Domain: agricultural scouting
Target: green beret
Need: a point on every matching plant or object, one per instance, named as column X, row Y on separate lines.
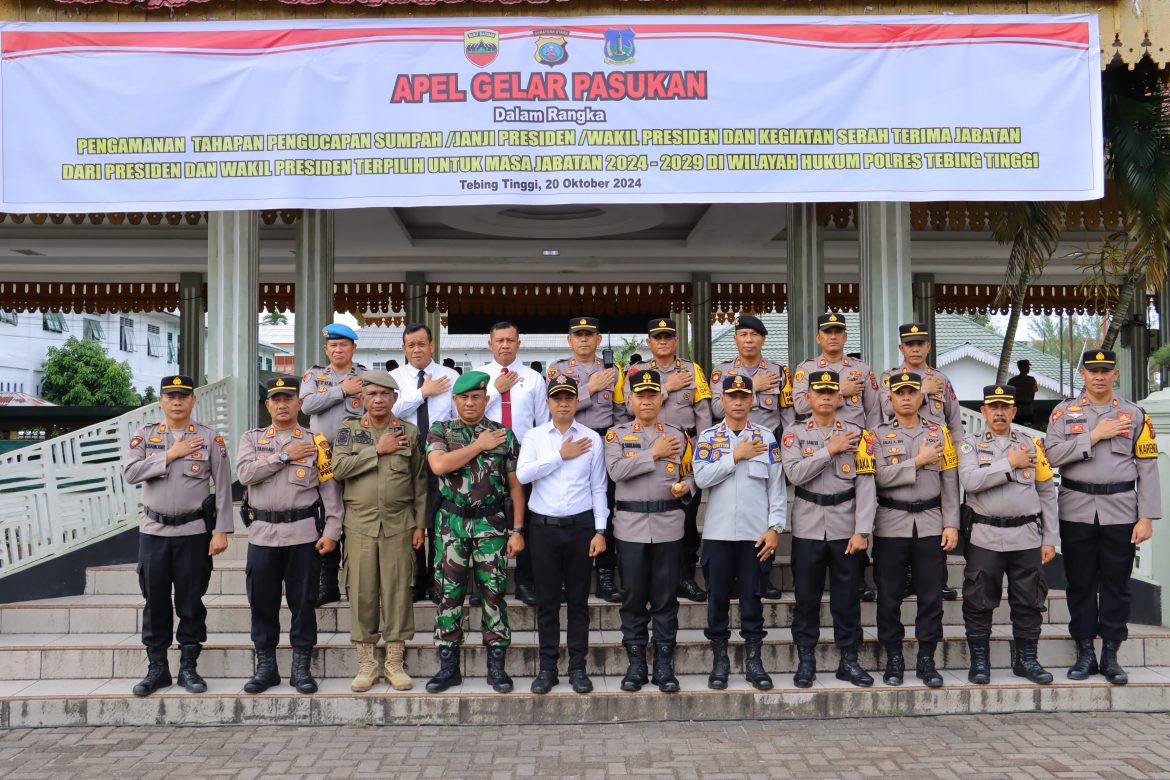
column 470, row 380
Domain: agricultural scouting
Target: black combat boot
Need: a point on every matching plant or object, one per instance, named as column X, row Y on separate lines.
column 850, row 670
column 980, row 649
column 806, row 669
column 301, row 676
column 188, row 675
column 545, row 681
column 607, row 589
column 448, row 673
column 924, row 669
column 266, row 674
column 689, row 589
column 895, row 664
column 636, row 674
column 1025, row 664
column 720, row 666
column 1109, row 666
column 158, row 672
column 1086, row 664
column 327, row 589
column 753, row 666
column 663, row 675
column 497, row 676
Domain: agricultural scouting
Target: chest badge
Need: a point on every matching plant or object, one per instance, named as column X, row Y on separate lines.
column 301, row 473
column 670, row 468
column 846, row 468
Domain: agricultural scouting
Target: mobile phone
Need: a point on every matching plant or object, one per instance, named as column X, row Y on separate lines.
column 607, row 357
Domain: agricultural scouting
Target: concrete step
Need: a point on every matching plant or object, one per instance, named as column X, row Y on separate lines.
column 107, row 701
column 106, row 655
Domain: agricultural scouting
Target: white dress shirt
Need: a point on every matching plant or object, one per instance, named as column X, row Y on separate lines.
column 441, row 406
column 528, row 396
column 562, row 488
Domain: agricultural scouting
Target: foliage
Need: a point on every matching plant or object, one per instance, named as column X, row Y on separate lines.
column 1049, row 337
column 274, row 318
column 629, row 347
column 80, row 373
column 149, row 397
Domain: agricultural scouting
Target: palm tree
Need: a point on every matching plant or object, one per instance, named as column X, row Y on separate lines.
column 274, row 318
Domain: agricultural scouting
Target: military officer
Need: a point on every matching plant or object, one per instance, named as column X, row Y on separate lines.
column 917, row 524
column 739, row 461
column 1012, row 511
column 687, row 406
column 830, row 461
column 289, row 481
column 650, row 461
column 331, row 394
column 475, row 460
column 379, row 459
column 183, row 525
column 601, row 405
column 1105, row 449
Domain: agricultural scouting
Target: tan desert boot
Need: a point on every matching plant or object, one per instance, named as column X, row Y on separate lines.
column 396, row 675
column 367, row 667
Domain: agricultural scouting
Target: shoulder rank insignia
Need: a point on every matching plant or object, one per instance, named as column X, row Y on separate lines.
column 135, row 441
column 611, row 435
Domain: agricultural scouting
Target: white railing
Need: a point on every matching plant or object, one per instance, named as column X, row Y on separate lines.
column 973, row 422
column 68, row 492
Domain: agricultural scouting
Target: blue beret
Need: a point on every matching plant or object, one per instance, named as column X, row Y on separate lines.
column 338, row 331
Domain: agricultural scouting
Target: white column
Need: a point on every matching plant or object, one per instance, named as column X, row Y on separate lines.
column 806, row 280
column 416, row 297
column 233, row 275
column 1153, row 561
column 883, row 232
column 925, row 302
column 314, row 285
column 435, row 321
column 191, row 326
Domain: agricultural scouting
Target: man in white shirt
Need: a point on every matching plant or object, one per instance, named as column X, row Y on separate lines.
column 424, row 397
column 517, row 400
column 564, row 462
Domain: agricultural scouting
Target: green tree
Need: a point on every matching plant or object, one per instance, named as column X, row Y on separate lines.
column 274, row 318
column 149, row 397
column 80, row 373
column 627, row 348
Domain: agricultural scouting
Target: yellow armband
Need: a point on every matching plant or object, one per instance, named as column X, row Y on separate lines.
column 950, row 458
column 686, row 465
column 702, row 389
column 786, row 391
column 324, row 458
column 1146, row 446
column 1043, row 467
column 864, row 458
column 619, row 385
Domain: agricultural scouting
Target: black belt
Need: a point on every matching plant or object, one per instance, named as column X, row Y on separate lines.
column 283, row 515
column 910, row 506
column 183, row 519
column 473, row 512
column 581, row 518
column 1004, row 522
column 820, row 499
column 1097, row 488
column 648, row 507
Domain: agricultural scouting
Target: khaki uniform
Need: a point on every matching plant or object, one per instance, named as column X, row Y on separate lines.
column 941, row 409
column 688, row 408
column 603, row 410
column 771, row 409
column 325, row 402
column 862, row 410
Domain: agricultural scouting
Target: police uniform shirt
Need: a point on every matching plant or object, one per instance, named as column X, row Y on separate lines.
column 808, row 464
column 439, row 407
column 993, row 488
column 638, row 476
column 277, row 486
column 384, row 495
column 181, row 486
column 745, row 499
column 1069, row 446
column 689, row 407
column 862, row 410
column 527, row 398
column 769, row 408
column 941, row 409
column 325, row 402
column 601, row 410
column 896, row 447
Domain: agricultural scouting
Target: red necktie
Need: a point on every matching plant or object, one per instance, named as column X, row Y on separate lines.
column 506, row 402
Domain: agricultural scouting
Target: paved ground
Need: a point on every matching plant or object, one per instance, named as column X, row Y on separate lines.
column 984, row 746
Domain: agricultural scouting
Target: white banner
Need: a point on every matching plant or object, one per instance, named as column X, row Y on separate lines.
column 628, row 109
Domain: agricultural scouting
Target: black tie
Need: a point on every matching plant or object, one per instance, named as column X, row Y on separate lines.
column 424, row 414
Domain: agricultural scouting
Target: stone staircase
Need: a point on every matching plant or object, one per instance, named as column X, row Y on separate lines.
column 73, row 660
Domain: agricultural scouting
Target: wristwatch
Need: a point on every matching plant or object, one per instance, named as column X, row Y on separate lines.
column 518, row 530
column 283, row 457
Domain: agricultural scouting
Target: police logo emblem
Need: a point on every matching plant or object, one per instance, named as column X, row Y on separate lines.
column 552, row 47
column 481, row 47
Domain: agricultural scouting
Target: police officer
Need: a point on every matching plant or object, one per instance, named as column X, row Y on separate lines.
column 379, row 459
column 475, row 461
column 859, row 389
column 739, row 461
column 830, row 461
column 687, row 406
column 1011, row 508
column 650, row 461
column 290, row 485
column 1105, row 449
column 771, row 400
column 331, row 394
column 601, row 405
column 917, row 525
column 182, row 526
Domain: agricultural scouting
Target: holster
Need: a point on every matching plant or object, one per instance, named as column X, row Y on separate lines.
column 210, row 513
column 247, row 516
column 966, row 520
column 320, row 517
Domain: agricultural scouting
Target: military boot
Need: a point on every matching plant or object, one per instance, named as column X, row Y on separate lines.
column 689, row 589
column 1086, row 664
column 448, row 674
column 895, row 664
column 188, row 675
column 806, row 669
column 925, row 669
column 980, row 649
column 753, row 666
column 663, row 675
column 301, row 676
column 497, row 675
column 367, row 675
column 636, row 674
column 158, row 672
column 266, row 674
column 607, row 589
column 327, row 589
column 395, row 669
column 720, row 666
column 850, row 670
column 1025, row 663
column 1109, row 666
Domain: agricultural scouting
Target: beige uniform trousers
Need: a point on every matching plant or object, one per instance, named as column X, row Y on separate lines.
column 381, row 577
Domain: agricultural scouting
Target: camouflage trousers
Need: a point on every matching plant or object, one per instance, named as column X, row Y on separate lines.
column 456, row 558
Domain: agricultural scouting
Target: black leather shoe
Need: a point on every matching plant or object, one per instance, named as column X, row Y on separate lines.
column 301, row 677
column 188, row 676
column 949, row 593
column 546, row 680
column 579, row 679
column 663, row 675
column 525, row 594
column 866, row 593
column 606, row 589
column 266, row 674
column 1086, row 663
column 850, row 670
column 497, row 676
column 895, row 664
column 636, row 673
column 690, row 590
column 924, row 669
column 1110, row 668
column 474, row 598
column 980, row 649
column 772, row 592
column 448, row 674
column 806, row 670
column 158, row 673
column 1026, row 664
column 753, row 666
column 720, row 666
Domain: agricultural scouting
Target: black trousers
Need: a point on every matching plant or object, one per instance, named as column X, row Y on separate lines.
column 692, row 539
column 424, row 557
column 924, row 558
column 649, row 576
column 811, row 560
column 733, row 567
column 180, row 563
column 1098, row 561
column 523, row 571
column 983, row 584
column 297, row 568
column 560, row 559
